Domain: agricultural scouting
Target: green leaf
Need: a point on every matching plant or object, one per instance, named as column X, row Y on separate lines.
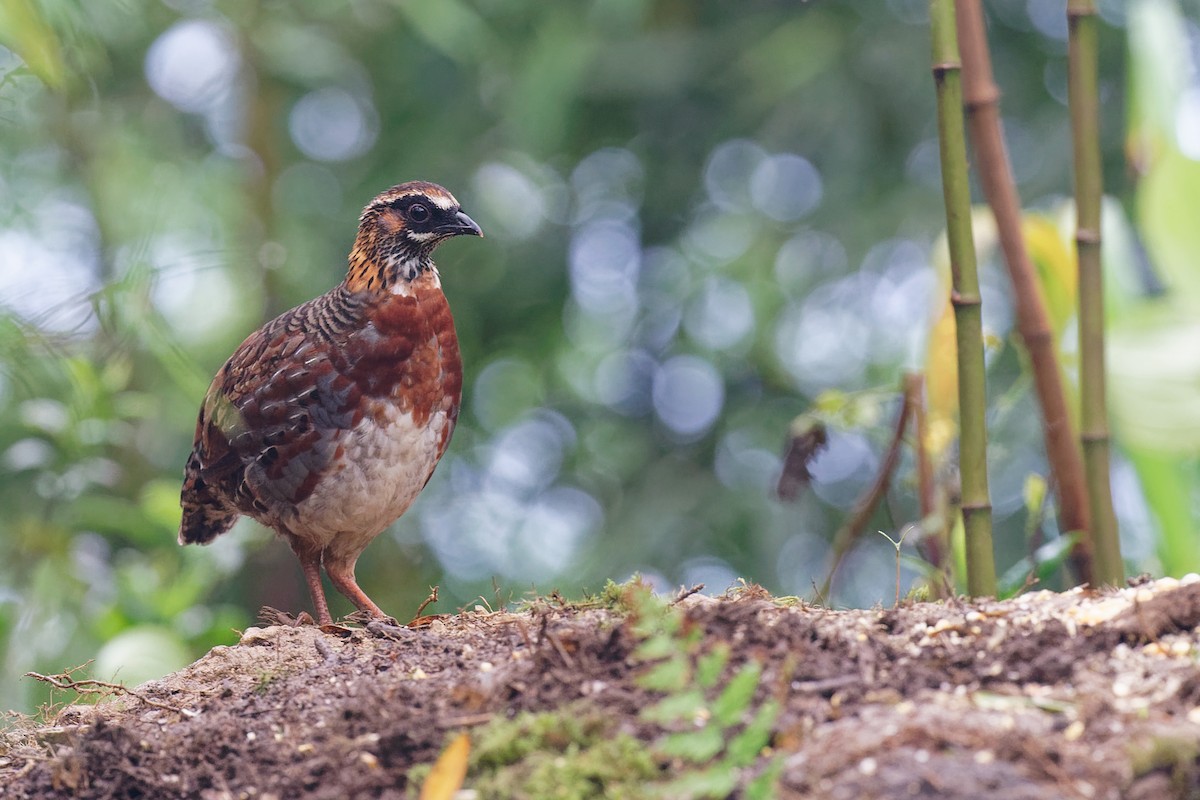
column 675, row 707
column 737, row 696
column 656, row 647
column 764, row 786
column 26, row 32
column 718, row 780
column 1046, row 560
column 669, row 676
column 1158, row 69
column 1168, row 481
column 697, row 746
column 745, row 748
column 710, row 666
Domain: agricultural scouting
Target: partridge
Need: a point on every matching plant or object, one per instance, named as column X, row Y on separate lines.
column 326, row 423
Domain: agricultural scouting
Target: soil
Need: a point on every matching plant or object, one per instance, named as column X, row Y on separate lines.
column 1075, row 695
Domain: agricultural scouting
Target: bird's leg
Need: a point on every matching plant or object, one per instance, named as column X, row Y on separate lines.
column 341, row 572
column 310, row 562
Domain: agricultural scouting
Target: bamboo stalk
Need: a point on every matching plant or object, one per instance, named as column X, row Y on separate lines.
column 1082, row 67
column 966, row 300
column 982, row 99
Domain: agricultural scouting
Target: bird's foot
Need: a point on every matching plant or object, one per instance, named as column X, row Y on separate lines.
column 273, row 616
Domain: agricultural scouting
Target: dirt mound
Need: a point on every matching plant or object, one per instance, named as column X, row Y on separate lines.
column 1082, row 694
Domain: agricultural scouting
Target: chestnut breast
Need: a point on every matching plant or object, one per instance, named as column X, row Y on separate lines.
column 405, row 366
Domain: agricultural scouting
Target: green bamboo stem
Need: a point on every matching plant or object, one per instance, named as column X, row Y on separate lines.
column 982, row 99
column 965, row 298
column 1082, row 66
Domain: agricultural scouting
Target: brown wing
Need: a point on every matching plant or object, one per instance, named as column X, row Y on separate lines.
column 272, row 419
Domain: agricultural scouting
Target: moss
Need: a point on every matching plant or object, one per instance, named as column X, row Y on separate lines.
column 571, row 754
column 263, row 681
column 1173, row 753
column 616, row 597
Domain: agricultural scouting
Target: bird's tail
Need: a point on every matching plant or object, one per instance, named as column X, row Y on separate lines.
column 205, row 517
column 202, row 524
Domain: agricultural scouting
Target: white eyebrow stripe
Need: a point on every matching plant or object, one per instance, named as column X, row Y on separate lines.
column 444, row 203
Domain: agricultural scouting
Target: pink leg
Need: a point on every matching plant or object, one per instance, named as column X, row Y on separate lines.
column 310, row 562
column 341, row 573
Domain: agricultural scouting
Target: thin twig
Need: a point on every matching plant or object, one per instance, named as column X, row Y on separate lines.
column 91, row 686
column 432, row 598
column 850, row 532
column 558, row 648
column 933, row 542
column 686, row 593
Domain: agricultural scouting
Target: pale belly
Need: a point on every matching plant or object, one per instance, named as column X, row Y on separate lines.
column 384, row 468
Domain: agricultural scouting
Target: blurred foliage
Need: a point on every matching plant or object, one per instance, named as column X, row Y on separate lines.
column 701, row 216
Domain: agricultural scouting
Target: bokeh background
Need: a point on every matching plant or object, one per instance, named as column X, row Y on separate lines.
column 702, row 219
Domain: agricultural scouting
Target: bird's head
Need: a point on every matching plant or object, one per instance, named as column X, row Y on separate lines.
column 398, row 232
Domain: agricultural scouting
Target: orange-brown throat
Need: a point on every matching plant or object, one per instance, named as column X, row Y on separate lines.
column 381, row 257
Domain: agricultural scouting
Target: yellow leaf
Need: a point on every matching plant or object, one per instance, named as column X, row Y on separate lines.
column 448, row 772
column 1054, row 262
column 941, row 384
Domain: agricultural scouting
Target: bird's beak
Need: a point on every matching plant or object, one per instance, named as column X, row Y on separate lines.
column 462, row 225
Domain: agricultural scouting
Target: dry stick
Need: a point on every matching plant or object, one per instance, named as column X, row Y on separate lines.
column 932, row 544
column 431, row 598
column 914, row 393
column 965, row 298
column 982, row 99
column 91, row 686
column 684, row 594
column 849, row 533
column 1082, row 61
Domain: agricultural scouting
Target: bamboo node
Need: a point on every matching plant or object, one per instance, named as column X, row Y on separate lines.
column 959, row 300
column 982, row 97
column 1087, row 236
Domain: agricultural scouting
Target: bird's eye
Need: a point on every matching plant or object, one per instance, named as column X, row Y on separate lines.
column 418, row 213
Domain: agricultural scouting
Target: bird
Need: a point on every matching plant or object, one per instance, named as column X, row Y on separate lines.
column 328, row 421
